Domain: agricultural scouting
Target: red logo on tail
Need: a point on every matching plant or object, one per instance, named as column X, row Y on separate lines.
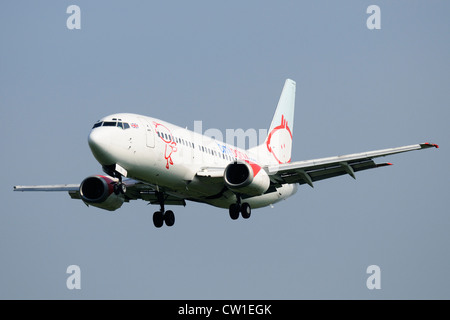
column 279, row 142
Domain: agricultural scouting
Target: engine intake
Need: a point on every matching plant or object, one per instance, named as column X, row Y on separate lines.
column 246, row 178
column 98, row 191
column 238, row 175
column 95, row 189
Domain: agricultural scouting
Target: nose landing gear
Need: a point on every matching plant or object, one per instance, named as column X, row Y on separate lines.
column 119, row 187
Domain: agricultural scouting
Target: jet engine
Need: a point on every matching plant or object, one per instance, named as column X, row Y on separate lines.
column 98, row 191
column 246, row 178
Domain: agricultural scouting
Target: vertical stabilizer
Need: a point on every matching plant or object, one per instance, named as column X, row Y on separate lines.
column 277, row 147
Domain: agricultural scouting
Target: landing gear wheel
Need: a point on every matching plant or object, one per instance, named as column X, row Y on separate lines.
column 169, row 218
column 120, row 188
column 116, row 189
column 246, row 210
column 158, row 219
column 234, row 211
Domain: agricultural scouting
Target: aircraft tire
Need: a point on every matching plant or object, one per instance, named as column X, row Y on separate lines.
column 246, row 210
column 234, row 211
column 158, row 219
column 120, row 188
column 169, row 218
column 116, row 189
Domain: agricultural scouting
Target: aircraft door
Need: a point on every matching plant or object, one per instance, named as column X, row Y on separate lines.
column 149, row 133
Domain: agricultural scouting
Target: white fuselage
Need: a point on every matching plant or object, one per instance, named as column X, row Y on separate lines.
column 169, row 157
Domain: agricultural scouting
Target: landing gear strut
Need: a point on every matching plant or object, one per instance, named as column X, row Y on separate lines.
column 161, row 216
column 236, row 208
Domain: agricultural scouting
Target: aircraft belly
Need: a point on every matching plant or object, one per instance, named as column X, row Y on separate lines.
column 255, row 202
column 180, row 179
column 202, row 188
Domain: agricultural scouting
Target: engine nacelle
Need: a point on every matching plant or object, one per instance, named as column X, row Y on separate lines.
column 246, row 178
column 98, row 191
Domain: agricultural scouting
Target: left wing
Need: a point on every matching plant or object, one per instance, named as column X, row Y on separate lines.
column 307, row 172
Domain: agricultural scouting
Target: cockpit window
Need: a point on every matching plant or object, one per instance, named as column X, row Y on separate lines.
column 119, row 124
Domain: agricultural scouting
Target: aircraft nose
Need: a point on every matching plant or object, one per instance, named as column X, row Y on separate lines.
column 98, row 141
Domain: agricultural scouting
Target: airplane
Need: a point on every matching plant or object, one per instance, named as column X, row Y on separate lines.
column 156, row 161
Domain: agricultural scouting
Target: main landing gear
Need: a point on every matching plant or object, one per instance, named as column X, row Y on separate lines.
column 236, row 208
column 161, row 216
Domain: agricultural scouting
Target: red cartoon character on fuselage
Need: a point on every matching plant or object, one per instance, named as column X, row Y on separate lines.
column 171, row 146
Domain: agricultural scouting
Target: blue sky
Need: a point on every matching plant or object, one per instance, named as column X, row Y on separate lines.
column 225, row 63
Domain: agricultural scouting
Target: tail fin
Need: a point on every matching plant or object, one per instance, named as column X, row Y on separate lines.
column 277, row 147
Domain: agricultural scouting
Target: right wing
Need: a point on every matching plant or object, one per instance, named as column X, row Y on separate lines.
column 54, row 187
column 73, row 189
column 135, row 190
column 307, row 172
